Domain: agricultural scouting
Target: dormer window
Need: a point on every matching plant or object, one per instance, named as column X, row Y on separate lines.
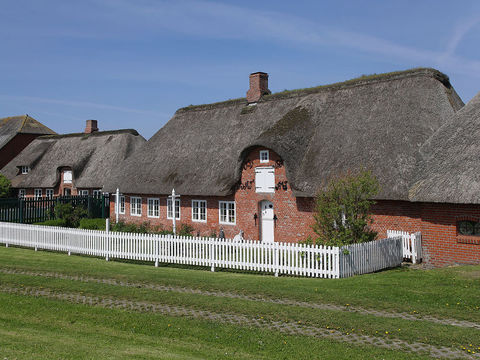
column 67, row 177
column 25, row 169
column 264, row 156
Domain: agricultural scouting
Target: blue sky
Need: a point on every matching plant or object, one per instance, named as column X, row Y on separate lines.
column 132, row 63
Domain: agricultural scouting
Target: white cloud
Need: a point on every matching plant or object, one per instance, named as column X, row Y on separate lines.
column 215, row 20
column 83, row 104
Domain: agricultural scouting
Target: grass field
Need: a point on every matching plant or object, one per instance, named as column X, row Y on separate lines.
column 53, row 306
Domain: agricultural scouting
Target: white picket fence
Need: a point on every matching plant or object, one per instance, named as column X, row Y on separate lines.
column 276, row 258
column 412, row 244
column 371, row 256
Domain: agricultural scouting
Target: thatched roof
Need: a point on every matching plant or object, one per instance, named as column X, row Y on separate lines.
column 377, row 122
column 449, row 170
column 92, row 158
column 21, row 124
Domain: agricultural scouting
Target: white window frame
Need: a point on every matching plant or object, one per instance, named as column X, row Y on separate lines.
column 264, row 152
column 264, row 189
column 49, row 193
column 226, row 205
column 22, row 193
column 151, row 207
column 170, row 209
column 25, row 170
column 196, row 208
column 134, row 202
column 67, row 181
column 97, row 193
column 121, row 208
column 83, row 192
column 37, row 193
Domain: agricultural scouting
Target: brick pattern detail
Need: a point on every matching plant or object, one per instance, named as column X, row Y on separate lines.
column 442, row 245
column 92, row 126
column 258, row 87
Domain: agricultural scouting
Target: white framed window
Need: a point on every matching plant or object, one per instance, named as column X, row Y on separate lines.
column 264, row 156
column 265, row 180
column 37, row 193
column 49, row 193
column 25, row 170
column 22, row 193
column 135, row 206
column 153, row 209
column 170, row 210
column 122, row 205
column 199, row 210
column 67, row 177
column 97, row 193
column 226, row 212
column 84, row 192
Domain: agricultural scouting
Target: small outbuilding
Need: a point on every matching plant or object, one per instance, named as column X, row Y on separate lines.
column 71, row 164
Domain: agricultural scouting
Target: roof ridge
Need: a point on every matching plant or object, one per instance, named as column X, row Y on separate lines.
column 23, row 123
column 96, row 133
column 358, row 81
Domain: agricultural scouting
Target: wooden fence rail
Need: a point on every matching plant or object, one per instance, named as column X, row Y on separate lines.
column 276, row 258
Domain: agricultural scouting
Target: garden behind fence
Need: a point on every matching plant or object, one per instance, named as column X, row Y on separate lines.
column 275, row 258
column 32, row 210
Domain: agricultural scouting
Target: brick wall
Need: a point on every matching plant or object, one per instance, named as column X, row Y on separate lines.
column 437, row 222
column 441, row 243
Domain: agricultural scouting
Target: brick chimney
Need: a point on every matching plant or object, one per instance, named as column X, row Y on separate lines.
column 91, row 127
column 258, row 86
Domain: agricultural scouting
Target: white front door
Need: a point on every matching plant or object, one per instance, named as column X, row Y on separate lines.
column 267, row 222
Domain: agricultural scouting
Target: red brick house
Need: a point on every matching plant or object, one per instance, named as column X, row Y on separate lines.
column 16, row 132
column 70, row 164
column 256, row 163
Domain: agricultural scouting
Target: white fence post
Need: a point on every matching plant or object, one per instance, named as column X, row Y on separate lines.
column 276, row 260
column 212, row 255
column 107, row 231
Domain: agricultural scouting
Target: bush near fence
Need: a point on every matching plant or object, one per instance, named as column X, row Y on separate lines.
column 277, row 258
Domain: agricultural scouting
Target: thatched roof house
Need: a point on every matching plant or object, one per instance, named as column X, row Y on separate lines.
column 378, row 122
column 16, row 132
column 449, row 171
column 92, row 157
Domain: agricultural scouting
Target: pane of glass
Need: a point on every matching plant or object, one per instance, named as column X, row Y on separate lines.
column 477, row 228
column 465, row 228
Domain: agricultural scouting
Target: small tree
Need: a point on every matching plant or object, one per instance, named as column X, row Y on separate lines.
column 342, row 213
column 5, row 187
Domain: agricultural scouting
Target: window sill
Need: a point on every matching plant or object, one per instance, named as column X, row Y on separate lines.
column 153, row 217
column 138, row 215
column 199, row 221
column 225, row 223
column 465, row 239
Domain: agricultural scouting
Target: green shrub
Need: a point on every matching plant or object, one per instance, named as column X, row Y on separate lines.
column 144, row 228
column 71, row 215
column 5, row 187
column 342, row 214
column 92, row 224
column 185, row 230
column 54, row 222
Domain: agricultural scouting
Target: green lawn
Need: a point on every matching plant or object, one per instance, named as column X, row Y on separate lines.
column 32, row 327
